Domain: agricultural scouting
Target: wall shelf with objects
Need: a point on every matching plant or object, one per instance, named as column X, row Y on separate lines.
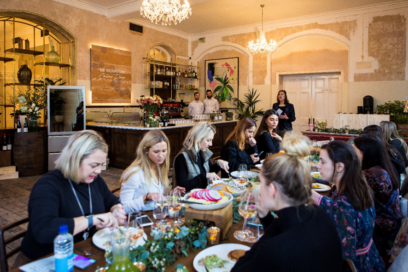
column 166, row 79
column 33, row 52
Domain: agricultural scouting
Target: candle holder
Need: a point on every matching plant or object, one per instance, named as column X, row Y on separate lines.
column 140, row 265
column 214, row 234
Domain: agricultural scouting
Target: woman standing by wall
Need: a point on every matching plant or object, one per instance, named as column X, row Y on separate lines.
column 287, row 111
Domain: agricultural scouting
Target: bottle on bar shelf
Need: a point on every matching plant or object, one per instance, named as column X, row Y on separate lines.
column 4, row 147
column 9, row 143
column 18, row 125
column 25, row 125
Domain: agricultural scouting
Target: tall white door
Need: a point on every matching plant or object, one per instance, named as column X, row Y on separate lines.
column 313, row 96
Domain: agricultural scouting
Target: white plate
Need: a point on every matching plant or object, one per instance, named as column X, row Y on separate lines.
column 209, row 207
column 239, row 188
column 259, row 166
column 222, row 252
column 262, row 161
column 249, row 174
column 322, row 188
column 103, row 235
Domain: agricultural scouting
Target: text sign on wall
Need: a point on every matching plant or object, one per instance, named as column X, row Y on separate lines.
column 111, row 78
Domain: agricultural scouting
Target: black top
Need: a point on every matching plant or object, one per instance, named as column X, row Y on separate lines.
column 267, row 144
column 199, row 181
column 398, row 146
column 283, row 109
column 300, row 239
column 230, row 152
column 286, row 124
column 52, row 204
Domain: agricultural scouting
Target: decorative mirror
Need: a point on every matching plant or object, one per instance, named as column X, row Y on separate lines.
column 66, row 109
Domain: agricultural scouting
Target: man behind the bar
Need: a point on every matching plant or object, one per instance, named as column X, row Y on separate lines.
column 196, row 107
column 210, row 104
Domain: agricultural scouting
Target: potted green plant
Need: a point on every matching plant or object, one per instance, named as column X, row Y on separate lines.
column 56, row 105
column 397, row 114
column 222, row 91
column 247, row 108
column 229, row 116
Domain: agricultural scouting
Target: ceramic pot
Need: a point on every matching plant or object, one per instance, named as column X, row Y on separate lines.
column 24, row 74
column 52, row 56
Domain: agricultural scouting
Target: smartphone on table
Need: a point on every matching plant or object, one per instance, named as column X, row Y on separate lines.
column 144, row 221
column 82, row 262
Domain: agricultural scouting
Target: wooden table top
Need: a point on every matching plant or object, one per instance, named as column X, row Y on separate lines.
column 187, row 261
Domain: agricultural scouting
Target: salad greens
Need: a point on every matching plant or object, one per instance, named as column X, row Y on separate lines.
column 212, row 261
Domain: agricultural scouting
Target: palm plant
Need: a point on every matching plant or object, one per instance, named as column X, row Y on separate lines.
column 246, row 108
column 221, row 92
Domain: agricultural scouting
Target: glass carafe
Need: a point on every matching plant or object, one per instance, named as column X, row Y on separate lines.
column 120, row 242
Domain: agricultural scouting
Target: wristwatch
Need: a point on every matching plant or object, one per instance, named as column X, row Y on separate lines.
column 90, row 221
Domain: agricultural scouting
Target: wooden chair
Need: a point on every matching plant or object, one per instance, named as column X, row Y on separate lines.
column 4, row 255
column 348, row 266
column 115, row 190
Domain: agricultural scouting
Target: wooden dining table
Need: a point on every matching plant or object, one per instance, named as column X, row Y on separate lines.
column 99, row 255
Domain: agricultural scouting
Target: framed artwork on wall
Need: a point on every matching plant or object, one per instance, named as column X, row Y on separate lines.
column 111, row 75
column 222, row 78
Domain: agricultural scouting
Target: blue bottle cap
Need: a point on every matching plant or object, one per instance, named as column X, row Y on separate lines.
column 63, row 229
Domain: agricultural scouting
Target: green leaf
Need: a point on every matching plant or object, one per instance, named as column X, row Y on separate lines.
column 230, row 88
column 217, row 88
column 196, row 243
column 145, row 255
column 170, row 245
column 184, row 252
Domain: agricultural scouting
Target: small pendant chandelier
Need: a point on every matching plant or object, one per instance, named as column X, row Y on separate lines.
column 166, row 11
column 261, row 46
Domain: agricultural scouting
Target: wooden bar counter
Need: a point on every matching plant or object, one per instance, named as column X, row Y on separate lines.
column 123, row 140
column 325, row 136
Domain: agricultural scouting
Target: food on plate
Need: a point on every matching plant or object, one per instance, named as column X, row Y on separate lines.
column 225, row 188
column 208, row 197
column 254, row 179
column 242, row 180
column 316, row 186
column 236, row 254
column 212, row 261
column 317, row 175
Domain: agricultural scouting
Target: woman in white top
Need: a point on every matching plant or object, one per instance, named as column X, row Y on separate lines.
column 146, row 178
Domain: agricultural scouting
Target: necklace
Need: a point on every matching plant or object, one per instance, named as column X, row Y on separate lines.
column 86, row 233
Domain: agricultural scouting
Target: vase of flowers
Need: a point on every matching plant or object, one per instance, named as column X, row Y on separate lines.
column 150, row 105
column 33, row 115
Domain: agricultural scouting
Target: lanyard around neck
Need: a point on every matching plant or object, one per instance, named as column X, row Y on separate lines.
column 76, row 196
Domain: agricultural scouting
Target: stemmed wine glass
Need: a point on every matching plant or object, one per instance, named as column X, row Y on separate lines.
column 246, row 209
column 175, row 207
column 160, row 202
column 242, row 172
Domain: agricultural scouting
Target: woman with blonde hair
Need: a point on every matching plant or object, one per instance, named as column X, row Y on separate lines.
column 192, row 165
column 73, row 194
column 240, row 146
column 301, row 237
column 146, row 178
column 390, row 135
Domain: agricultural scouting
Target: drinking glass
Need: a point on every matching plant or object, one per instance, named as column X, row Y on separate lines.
column 268, row 154
column 175, row 207
column 242, row 171
column 246, row 209
column 135, row 232
column 131, row 219
column 160, row 211
column 253, row 229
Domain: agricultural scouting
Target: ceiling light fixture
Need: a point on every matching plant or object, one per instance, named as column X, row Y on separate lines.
column 166, row 11
column 261, row 46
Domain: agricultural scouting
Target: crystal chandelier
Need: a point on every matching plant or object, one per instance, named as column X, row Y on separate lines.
column 166, row 11
column 261, row 46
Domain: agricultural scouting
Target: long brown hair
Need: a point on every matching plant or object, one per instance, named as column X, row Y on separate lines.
column 286, row 97
column 238, row 134
column 263, row 126
column 353, row 182
column 289, row 171
column 143, row 161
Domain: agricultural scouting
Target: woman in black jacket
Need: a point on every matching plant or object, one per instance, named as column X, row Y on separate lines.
column 391, row 135
column 302, row 237
column 240, row 146
column 267, row 137
column 287, row 114
column 192, row 165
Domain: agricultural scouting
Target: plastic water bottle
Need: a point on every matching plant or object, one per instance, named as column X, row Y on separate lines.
column 64, row 250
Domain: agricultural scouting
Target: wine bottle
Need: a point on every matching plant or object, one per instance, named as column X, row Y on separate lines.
column 4, row 147
column 25, row 125
column 18, row 125
column 9, row 143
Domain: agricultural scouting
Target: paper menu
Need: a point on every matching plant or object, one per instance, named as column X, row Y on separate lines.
column 42, row 265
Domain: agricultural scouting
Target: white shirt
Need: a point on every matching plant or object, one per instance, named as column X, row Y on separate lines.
column 195, row 108
column 133, row 190
column 211, row 105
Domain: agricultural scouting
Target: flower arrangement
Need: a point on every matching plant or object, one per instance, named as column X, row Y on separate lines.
column 150, row 103
column 167, row 244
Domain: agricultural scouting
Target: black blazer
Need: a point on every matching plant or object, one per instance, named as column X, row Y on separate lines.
column 290, row 112
column 231, row 153
column 398, row 146
column 301, row 239
column 266, row 143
